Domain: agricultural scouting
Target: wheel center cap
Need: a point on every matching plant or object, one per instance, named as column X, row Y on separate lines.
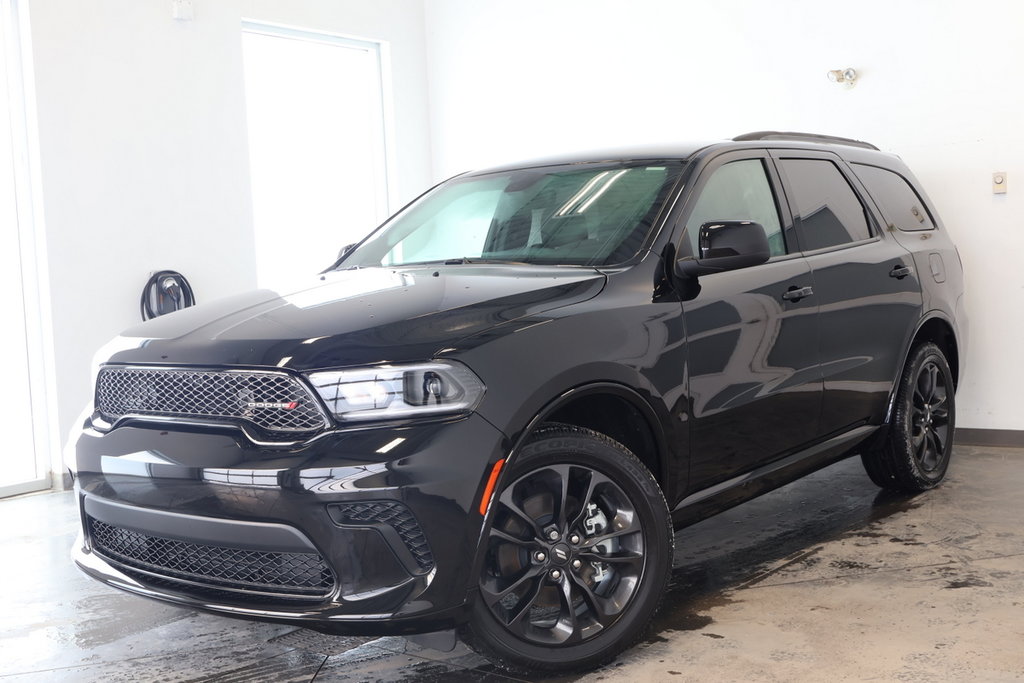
column 560, row 553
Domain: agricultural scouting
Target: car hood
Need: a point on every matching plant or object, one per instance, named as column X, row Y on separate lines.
column 354, row 317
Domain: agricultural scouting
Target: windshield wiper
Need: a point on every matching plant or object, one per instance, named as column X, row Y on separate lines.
column 474, row 260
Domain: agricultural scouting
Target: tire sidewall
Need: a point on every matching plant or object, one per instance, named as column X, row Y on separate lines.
column 571, row 445
column 904, row 418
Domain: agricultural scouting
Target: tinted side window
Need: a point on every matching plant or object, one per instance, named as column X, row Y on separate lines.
column 898, row 200
column 738, row 191
column 830, row 212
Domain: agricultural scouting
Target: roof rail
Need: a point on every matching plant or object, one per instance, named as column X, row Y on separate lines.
column 806, row 137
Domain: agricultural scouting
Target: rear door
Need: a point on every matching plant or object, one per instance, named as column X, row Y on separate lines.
column 754, row 382
column 865, row 284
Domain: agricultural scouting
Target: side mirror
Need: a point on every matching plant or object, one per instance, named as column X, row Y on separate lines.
column 726, row 245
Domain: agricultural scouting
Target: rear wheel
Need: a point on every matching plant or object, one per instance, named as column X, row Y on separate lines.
column 917, row 449
column 577, row 556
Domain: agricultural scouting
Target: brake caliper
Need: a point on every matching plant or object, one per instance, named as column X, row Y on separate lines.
column 595, row 524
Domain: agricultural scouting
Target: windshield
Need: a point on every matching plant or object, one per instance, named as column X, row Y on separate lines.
column 597, row 214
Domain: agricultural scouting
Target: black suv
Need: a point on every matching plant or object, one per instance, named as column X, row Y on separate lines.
column 492, row 411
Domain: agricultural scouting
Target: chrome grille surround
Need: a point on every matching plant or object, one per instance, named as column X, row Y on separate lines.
column 259, row 397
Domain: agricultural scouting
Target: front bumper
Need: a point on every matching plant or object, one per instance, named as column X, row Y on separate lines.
column 368, row 531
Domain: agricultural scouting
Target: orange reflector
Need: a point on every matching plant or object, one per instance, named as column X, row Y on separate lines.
column 489, row 489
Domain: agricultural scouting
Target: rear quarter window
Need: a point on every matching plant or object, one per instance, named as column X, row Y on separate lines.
column 897, row 198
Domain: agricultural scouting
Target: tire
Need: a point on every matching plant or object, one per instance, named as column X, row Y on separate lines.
column 577, row 556
column 915, row 454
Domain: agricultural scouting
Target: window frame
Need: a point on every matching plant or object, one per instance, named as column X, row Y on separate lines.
column 703, row 175
column 859, row 191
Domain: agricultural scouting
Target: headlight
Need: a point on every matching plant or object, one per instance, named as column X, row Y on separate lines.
column 396, row 391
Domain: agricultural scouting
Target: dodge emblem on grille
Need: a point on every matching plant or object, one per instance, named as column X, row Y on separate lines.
column 290, row 405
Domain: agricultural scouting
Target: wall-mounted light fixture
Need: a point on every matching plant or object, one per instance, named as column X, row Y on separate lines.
column 847, row 76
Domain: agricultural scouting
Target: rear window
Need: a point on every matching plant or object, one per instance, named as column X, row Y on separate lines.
column 898, row 200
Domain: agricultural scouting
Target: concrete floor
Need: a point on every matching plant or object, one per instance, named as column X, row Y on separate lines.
column 825, row 579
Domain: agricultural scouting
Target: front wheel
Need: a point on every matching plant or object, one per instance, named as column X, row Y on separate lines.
column 917, row 449
column 577, row 555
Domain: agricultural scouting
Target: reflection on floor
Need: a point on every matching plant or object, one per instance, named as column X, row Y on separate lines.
column 825, row 579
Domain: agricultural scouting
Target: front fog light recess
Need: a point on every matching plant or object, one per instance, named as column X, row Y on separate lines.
column 395, row 391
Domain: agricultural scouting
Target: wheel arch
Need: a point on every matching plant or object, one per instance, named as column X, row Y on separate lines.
column 940, row 332
column 937, row 328
column 618, row 412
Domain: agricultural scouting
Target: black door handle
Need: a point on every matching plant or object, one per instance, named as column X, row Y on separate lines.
column 795, row 293
column 900, row 272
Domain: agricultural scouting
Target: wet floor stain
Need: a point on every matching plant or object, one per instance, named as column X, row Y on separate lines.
column 905, row 541
column 888, row 503
column 867, row 534
column 832, row 525
column 271, row 669
column 849, row 564
column 781, row 531
column 109, row 617
column 319, row 643
column 968, row 582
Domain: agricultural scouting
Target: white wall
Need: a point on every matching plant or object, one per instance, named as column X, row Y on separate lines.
column 938, row 86
column 143, row 150
column 143, row 161
column 143, row 135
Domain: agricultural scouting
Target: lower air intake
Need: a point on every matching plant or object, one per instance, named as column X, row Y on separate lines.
column 278, row 574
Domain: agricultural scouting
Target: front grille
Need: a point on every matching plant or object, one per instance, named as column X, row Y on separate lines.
column 215, row 567
column 394, row 515
column 273, row 401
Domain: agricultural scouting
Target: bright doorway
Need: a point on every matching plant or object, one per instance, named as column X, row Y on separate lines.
column 317, row 149
column 25, row 464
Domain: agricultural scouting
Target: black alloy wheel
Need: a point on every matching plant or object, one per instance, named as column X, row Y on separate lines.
column 917, row 449
column 929, row 424
column 576, row 557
